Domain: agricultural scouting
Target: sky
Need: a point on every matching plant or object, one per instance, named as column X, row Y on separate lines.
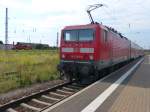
column 39, row 20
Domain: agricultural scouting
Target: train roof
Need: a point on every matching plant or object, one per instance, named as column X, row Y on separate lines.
column 87, row 26
column 80, row 26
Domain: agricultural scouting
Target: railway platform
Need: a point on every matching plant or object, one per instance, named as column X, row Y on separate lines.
column 126, row 90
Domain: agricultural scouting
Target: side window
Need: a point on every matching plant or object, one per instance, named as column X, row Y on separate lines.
column 105, row 35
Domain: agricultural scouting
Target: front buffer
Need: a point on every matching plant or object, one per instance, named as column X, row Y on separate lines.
column 84, row 72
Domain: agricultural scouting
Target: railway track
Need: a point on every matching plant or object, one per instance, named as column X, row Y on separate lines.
column 43, row 99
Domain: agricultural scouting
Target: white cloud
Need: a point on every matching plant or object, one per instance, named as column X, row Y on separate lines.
column 56, row 5
column 14, row 4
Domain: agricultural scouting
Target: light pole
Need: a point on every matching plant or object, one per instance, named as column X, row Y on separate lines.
column 6, row 29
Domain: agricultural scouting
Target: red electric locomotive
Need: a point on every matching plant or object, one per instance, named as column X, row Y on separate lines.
column 87, row 49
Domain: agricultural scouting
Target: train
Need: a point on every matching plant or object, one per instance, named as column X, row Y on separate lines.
column 22, row 46
column 86, row 51
column 29, row 46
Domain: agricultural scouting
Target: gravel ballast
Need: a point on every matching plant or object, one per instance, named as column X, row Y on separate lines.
column 21, row 92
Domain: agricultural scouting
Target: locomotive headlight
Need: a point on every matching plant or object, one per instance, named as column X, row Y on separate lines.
column 91, row 57
column 63, row 56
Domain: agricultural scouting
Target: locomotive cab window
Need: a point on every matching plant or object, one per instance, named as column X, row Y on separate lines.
column 105, row 35
column 70, row 35
column 86, row 35
column 78, row 35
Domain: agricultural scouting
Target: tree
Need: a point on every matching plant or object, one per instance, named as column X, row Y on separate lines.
column 1, row 42
column 39, row 46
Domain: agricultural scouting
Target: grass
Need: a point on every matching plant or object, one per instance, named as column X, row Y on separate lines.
column 27, row 67
column 147, row 53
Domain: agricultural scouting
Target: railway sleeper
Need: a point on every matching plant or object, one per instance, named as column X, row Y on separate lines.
column 65, row 91
column 57, row 94
column 30, row 107
column 50, row 98
column 69, row 89
column 41, row 102
column 74, row 87
column 11, row 110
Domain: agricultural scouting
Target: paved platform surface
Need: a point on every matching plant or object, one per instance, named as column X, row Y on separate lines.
column 132, row 95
